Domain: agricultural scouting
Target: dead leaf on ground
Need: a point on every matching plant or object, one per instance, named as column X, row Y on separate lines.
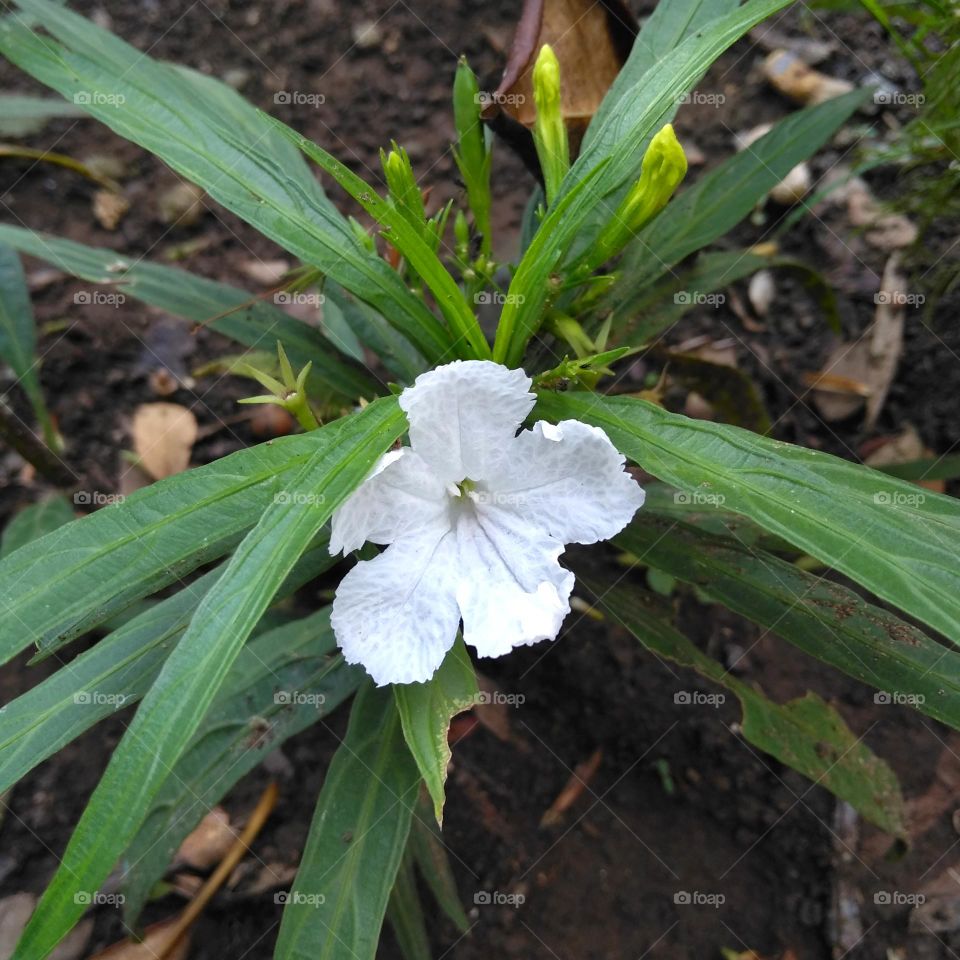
column 872, row 360
column 268, row 273
column 156, row 943
column 939, row 910
column 209, row 842
column 15, row 911
column 592, row 42
column 579, row 780
column 181, row 204
column 787, row 72
column 903, row 447
column 884, row 230
column 163, row 438
column 109, row 208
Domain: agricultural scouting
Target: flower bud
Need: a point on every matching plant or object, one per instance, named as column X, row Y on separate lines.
column 549, row 130
column 664, row 167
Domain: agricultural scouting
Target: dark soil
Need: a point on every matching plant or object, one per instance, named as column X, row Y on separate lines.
column 680, row 803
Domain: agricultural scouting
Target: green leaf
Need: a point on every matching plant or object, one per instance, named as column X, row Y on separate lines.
column 430, row 855
column 406, row 914
column 283, row 681
column 822, row 618
column 720, row 199
column 179, row 700
column 58, row 587
column 337, row 905
column 656, row 308
column 469, row 340
column 21, row 116
column 529, row 292
column 893, row 538
column 612, row 159
column 35, row 521
column 114, row 673
column 425, row 711
column 227, row 150
column 806, row 734
column 252, row 322
column 671, row 22
column 18, row 336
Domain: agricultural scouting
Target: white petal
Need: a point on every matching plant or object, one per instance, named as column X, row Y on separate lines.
column 512, row 590
column 397, row 615
column 400, row 495
column 462, row 416
column 569, row 480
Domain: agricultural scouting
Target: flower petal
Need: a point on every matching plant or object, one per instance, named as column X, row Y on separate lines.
column 400, row 495
column 463, row 415
column 397, row 614
column 569, row 480
column 511, row 590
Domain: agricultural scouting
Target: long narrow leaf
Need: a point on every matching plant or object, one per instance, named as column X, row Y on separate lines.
column 177, row 702
column 229, row 311
column 337, row 905
column 806, row 734
column 172, row 115
column 893, row 538
column 822, row 618
column 58, row 587
column 283, row 681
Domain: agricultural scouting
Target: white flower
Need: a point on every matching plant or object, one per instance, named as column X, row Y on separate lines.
column 476, row 516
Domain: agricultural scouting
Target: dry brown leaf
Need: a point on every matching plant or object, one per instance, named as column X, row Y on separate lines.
column 885, row 231
column 592, row 42
column 268, row 273
column 873, row 359
column 492, row 710
column 156, row 943
column 579, row 780
column 800, row 82
column 902, row 448
column 209, row 842
column 163, row 438
column 181, row 204
column 109, row 208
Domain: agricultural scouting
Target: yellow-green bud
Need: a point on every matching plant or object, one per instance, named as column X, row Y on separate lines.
column 549, row 130
column 664, row 167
